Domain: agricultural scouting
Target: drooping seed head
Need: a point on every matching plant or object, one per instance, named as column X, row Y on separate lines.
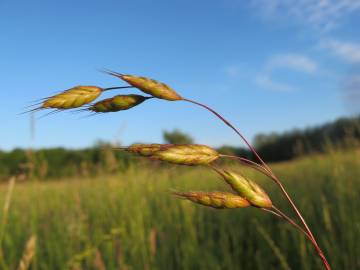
column 72, row 98
column 219, row 200
column 246, row 188
column 117, row 103
column 146, row 150
column 149, row 86
column 187, row 154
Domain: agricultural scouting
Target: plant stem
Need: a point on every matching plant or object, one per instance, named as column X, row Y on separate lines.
column 117, row 87
column 249, row 163
column 273, row 177
column 233, row 128
column 311, row 238
column 291, row 221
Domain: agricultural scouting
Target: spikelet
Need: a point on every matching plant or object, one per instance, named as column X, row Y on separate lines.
column 219, row 200
column 181, row 154
column 187, row 154
column 146, row 150
column 149, row 86
column 72, row 98
column 246, row 188
column 117, row 103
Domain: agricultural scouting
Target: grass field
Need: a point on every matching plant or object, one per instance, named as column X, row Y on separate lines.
column 130, row 221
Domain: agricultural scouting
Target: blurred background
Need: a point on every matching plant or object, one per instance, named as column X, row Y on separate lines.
column 286, row 73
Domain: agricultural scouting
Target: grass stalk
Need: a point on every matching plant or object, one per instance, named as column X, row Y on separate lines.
column 5, row 218
column 277, row 252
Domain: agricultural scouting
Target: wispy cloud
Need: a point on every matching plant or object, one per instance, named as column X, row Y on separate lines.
column 347, row 51
column 233, row 71
column 293, row 62
column 322, row 14
column 265, row 81
column 296, row 62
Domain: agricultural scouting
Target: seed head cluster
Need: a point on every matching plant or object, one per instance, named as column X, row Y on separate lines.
column 247, row 192
column 196, row 154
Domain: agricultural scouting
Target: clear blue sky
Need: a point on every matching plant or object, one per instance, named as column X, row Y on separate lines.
column 266, row 65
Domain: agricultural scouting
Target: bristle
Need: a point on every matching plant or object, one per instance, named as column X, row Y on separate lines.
column 51, row 113
column 32, row 110
column 110, row 72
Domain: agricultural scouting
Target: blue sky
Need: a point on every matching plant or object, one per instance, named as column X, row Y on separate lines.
column 266, row 65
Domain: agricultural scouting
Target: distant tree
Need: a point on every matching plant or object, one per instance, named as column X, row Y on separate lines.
column 177, row 137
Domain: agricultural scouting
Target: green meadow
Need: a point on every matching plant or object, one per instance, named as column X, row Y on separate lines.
column 131, row 221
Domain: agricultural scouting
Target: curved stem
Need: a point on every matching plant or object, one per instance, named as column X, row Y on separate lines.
column 250, row 163
column 273, row 177
column 308, row 235
column 233, row 128
column 291, row 221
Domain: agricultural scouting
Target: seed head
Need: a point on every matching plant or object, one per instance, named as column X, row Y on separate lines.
column 72, row 98
column 149, row 86
column 117, row 103
column 187, row 154
column 246, row 188
column 28, row 254
column 219, row 200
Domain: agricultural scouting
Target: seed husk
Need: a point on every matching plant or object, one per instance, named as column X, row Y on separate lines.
column 216, row 199
column 246, row 188
column 117, row 103
column 187, row 154
column 149, row 86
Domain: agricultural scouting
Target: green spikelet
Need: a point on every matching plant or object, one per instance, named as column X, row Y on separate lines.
column 149, row 86
column 219, row 200
column 72, row 98
column 246, row 188
column 187, row 154
column 117, row 103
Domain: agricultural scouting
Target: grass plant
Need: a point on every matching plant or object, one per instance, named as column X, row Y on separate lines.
column 246, row 192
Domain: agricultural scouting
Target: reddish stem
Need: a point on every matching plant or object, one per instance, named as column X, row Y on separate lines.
column 311, row 238
column 274, row 178
column 250, row 163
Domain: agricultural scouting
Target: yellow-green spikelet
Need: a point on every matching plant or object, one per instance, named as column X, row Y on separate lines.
column 246, row 188
column 117, row 103
column 216, row 199
column 152, row 87
column 149, row 86
column 73, row 98
column 187, row 154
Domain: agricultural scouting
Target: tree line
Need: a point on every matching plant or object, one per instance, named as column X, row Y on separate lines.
column 101, row 158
